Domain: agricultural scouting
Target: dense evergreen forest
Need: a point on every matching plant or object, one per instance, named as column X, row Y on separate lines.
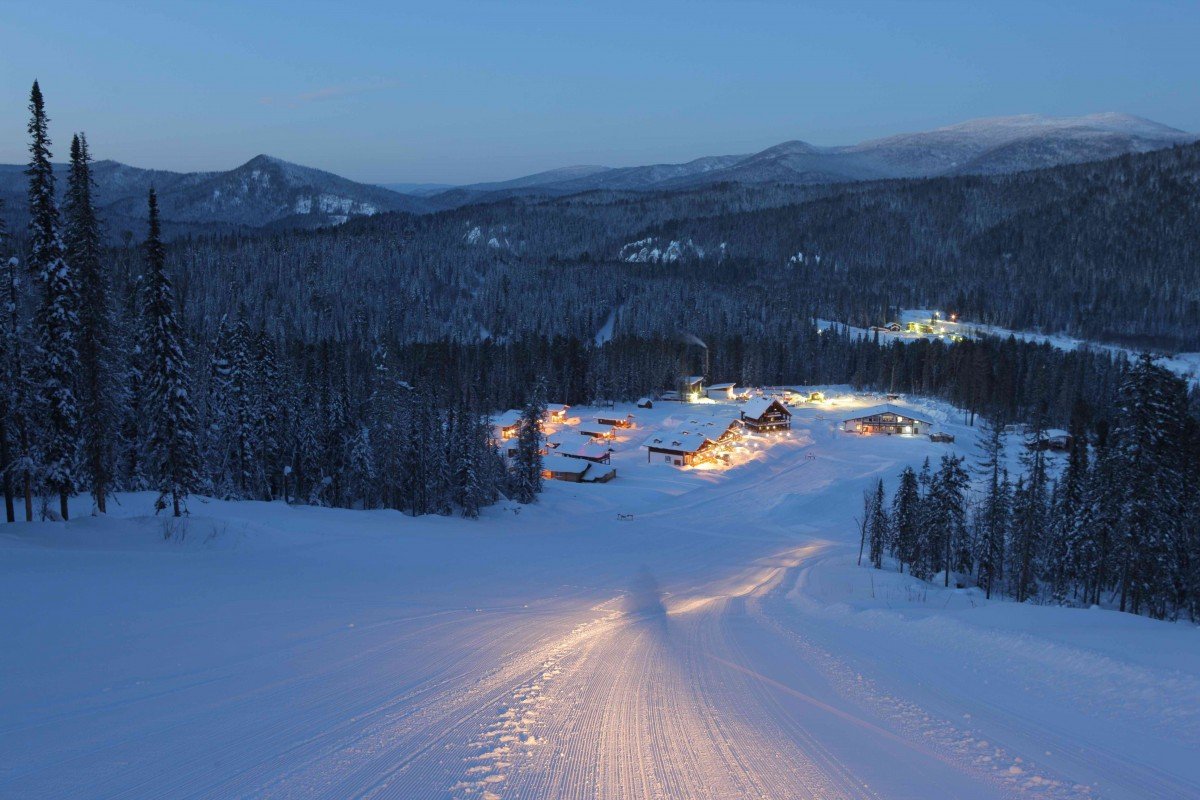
column 355, row 366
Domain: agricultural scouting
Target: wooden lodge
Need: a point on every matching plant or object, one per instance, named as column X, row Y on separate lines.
column 722, row 391
column 574, row 470
column 506, row 425
column 887, row 419
column 1054, row 440
column 624, row 421
column 679, row 448
column 594, row 450
column 557, row 412
column 691, row 388
column 766, row 415
column 598, row 431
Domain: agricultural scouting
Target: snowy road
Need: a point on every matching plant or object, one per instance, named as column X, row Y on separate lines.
column 720, row 644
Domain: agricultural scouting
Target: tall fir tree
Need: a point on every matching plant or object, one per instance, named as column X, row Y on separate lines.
column 10, row 380
column 101, row 394
column 173, row 452
column 56, row 318
column 906, row 520
column 993, row 510
column 527, row 466
column 877, row 526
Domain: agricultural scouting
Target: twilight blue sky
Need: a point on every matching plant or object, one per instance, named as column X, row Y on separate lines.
column 458, row 92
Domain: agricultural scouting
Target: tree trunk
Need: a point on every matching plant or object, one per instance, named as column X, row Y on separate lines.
column 28, row 498
column 62, row 506
column 175, row 502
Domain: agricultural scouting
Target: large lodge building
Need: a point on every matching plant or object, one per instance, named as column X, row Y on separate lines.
column 887, row 419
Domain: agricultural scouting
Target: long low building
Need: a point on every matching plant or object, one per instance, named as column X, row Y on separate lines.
column 558, row 467
column 888, row 419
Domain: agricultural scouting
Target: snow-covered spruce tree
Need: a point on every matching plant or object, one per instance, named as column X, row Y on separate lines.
column 993, row 511
column 13, row 386
column 101, row 394
column 1146, row 443
column 133, row 331
column 267, row 389
column 877, row 526
column 56, row 319
column 361, row 468
column 947, row 517
column 527, row 466
column 173, row 454
column 219, row 416
column 1068, row 548
column 906, row 521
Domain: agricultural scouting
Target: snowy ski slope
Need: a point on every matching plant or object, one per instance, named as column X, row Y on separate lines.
column 698, row 633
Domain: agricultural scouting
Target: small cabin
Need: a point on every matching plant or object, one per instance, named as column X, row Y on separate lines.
column 598, row 431
column 766, row 415
column 645, row 402
column 624, row 421
column 691, row 388
column 594, row 450
column 887, row 419
column 722, row 391
column 506, row 425
column 816, row 397
column 557, row 412
column 1052, row 439
column 561, row 468
column 679, row 448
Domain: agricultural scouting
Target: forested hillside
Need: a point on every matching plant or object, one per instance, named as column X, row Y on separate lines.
column 1105, row 251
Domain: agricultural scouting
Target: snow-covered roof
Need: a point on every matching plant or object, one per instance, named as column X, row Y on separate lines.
column 682, row 441
column 507, row 419
column 889, row 408
column 596, row 430
column 557, row 408
column 758, row 406
column 560, row 463
column 710, row 426
column 582, row 447
column 722, row 386
column 694, row 379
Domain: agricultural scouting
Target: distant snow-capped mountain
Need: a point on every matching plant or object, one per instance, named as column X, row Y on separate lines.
column 980, row 146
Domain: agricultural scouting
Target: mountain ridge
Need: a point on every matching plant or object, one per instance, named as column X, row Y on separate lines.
column 987, row 145
column 264, row 192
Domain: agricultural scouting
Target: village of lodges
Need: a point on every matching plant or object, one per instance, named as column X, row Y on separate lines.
column 716, row 423
column 579, row 449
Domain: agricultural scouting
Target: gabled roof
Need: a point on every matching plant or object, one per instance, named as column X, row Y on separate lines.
column 596, row 430
column 758, row 406
column 507, row 419
column 721, row 386
column 557, row 463
column 681, row 441
column 613, row 415
column 557, row 408
column 582, row 447
column 889, row 408
column 715, row 426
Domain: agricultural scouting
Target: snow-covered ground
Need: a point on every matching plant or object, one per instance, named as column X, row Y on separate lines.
column 698, row 633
